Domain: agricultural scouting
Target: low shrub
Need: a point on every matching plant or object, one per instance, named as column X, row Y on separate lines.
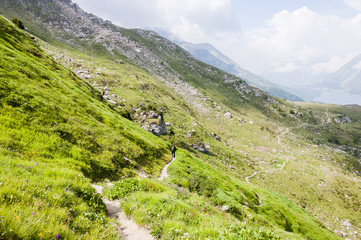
column 18, row 23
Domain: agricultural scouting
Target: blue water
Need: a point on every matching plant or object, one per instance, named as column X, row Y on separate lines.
column 338, row 97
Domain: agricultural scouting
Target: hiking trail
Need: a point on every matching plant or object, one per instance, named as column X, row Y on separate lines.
column 129, row 229
column 164, row 173
column 284, row 163
column 328, row 117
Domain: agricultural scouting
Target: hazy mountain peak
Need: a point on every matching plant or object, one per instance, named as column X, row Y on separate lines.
column 346, row 79
column 207, row 53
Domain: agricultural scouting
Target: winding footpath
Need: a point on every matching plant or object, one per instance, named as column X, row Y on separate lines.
column 285, row 148
column 164, row 173
column 129, row 229
column 284, row 163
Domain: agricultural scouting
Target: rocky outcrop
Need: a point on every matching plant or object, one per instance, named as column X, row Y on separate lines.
column 202, row 148
column 152, row 122
column 342, row 120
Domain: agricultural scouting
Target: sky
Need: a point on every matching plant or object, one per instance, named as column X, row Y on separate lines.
column 272, row 38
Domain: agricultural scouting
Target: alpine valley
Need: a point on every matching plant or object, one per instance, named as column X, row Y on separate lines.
column 88, row 113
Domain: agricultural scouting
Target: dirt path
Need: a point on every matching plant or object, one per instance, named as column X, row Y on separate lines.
column 260, row 204
column 128, row 230
column 284, row 163
column 164, row 173
column 255, row 173
column 328, row 117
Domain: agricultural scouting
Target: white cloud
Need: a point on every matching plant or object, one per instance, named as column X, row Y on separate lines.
column 292, row 36
column 189, row 19
column 355, row 4
column 303, row 40
column 288, row 67
column 357, row 66
column 331, row 65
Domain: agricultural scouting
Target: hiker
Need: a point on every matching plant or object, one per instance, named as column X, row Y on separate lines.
column 173, row 149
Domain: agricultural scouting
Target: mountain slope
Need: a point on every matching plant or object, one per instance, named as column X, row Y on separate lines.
column 210, row 55
column 233, row 136
column 54, row 111
column 56, row 129
column 347, row 78
column 157, row 55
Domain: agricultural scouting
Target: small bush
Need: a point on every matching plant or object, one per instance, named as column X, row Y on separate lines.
column 201, row 184
column 18, row 23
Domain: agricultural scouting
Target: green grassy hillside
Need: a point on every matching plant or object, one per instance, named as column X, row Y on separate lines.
column 56, row 135
column 274, row 152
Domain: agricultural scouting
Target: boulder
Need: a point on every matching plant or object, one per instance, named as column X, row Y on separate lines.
column 201, row 149
column 112, row 102
column 153, row 115
column 153, row 122
column 158, row 129
column 228, row 115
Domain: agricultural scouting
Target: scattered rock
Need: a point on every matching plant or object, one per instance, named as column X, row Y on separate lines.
column 241, row 120
column 112, row 102
column 215, row 136
column 158, row 129
column 201, row 149
column 228, row 115
column 98, row 189
column 153, row 115
column 224, row 208
column 347, row 224
column 127, row 159
column 152, row 122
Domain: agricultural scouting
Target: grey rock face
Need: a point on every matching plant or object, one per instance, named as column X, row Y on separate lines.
column 158, row 130
column 152, row 122
column 199, row 148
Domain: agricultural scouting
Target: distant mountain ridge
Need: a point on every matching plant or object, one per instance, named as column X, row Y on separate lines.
column 209, row 54
column 347, row 78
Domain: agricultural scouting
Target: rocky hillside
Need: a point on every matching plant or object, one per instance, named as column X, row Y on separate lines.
column 65, row 21
column 57, row 135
